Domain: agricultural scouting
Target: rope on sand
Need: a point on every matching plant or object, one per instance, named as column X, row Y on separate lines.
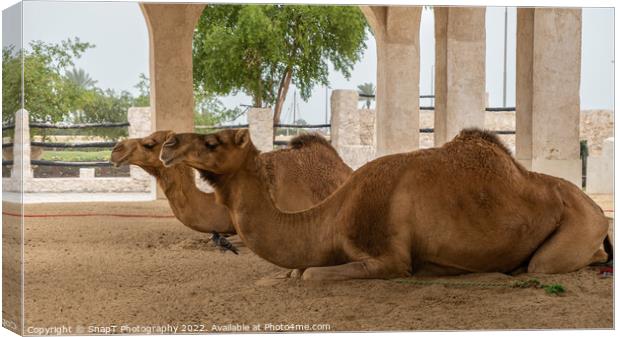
column 552, row 289
column 71, row 215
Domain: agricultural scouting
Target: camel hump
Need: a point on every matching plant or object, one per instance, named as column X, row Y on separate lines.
column 309, row 139
column 475, row 133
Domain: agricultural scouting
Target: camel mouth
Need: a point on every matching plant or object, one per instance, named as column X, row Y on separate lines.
column 120, row 161
column 167, row 161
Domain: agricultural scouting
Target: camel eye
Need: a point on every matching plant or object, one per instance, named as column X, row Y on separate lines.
column 148, row 145
column 211, row 146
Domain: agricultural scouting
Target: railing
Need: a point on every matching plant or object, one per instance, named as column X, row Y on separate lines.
column 69, row 126
column 67, row 145
column 24, row 179
column 496, row 109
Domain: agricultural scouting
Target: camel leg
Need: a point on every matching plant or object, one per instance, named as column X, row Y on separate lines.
column 296, row 273
column 370, row 268
column 574, row 245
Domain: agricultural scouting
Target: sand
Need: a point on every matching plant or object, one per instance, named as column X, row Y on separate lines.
column 91, row 273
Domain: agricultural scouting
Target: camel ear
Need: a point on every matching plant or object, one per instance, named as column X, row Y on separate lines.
column 242, row 137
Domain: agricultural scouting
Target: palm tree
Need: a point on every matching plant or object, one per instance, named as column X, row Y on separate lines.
column 80, row 78
column 366, row 90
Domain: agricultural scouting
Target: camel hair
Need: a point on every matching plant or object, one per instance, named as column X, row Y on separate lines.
column 295, row 186
column 467, row 206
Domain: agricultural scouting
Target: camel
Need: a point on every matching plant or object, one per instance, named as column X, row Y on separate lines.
column 467, row 206
column 296, row 186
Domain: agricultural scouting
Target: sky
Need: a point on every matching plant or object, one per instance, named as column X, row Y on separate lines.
column 119, row 31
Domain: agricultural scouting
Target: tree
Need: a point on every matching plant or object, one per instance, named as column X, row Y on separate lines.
column 144, row 89
column 366, row 89
column 80, row 78
column 99, row 106
column 261, row 49
column 48, row 95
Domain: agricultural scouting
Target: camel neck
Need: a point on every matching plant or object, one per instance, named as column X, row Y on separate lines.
column 290, row 240
column 193, row 207
column 176, row 180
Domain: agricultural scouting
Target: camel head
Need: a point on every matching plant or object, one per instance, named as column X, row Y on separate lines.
column 221, row 152
column 143, row 152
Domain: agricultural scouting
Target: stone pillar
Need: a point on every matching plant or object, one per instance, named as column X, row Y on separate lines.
column 21, row 147
column 346, row 129
column 397, row 33
column 87, row 172
column 140, row 122
column 344, row 119
column 600, row 171
column 547, row 91
column 171, row 30
column 460, row 96
column 140, row 125
column 260, row 122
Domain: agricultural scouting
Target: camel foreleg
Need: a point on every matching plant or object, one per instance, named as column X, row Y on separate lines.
column 367, row 269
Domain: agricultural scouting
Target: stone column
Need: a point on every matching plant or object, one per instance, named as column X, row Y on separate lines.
column 600, row 171
column 344, row 129
column 140, row 122
column 260, row 122
column 140, row 125
column 21, row 147
column 346, row 132
column 87, row 172
column 397, row 33
column 547, row 91
column 460, row 95
column 171, row 30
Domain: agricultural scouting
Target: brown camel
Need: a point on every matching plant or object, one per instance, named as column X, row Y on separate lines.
column 296, row 186
column 467, row 206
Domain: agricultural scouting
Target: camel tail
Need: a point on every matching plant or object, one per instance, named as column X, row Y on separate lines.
column 609, row 248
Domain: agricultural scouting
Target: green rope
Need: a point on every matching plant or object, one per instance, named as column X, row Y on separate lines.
column 552, row 289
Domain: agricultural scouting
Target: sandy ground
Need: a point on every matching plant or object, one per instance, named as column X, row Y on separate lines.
column 101, row 271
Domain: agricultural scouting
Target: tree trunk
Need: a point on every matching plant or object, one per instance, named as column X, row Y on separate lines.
column 282, row 91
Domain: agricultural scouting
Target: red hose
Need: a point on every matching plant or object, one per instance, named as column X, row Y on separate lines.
column 67, row 215
column 89, row 214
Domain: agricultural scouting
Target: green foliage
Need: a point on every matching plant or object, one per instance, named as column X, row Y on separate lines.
column 80, row 78
column 367, row 89
column 11, row 83
column 554, row 289
column 71, row 156
column 531, row 283
column 252, row 48
column 210, row 111
column 144, row 88
column 99, row 106
column 48, row 95
column 56, row 91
